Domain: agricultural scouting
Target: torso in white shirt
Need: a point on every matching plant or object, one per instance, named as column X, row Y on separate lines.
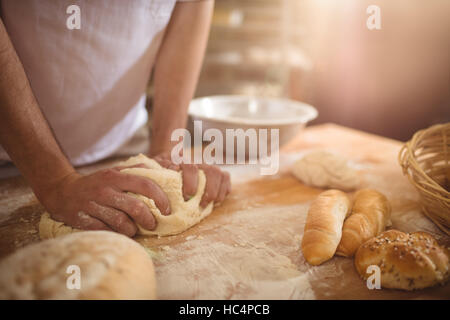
column 90, row 82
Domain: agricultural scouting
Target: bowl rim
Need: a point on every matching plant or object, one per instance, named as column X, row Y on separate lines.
column 310, row 112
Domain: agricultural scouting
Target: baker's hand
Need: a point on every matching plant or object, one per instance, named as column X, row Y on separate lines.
column 218, row 184
column 99, row 201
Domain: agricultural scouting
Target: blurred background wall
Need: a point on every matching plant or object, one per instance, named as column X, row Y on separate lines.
column 392, row 81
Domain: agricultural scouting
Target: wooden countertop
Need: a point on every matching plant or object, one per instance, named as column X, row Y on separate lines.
column 249, row 247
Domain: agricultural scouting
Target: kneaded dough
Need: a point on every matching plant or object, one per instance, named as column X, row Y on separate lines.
column 49, row 228
column 323, row 169
column 184, row 214
column 111, row 266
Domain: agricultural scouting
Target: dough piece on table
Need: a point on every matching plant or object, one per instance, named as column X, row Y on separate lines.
column 112, row 266
column 407, row 261
column 184, row 214
column 323, row 169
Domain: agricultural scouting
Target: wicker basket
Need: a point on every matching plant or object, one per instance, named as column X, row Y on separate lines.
column 426, row 161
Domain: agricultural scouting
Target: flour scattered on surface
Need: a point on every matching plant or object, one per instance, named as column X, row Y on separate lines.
column 11, row 203
column 231, row 261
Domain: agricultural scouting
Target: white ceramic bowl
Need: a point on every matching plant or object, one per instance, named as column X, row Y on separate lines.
column 244, row 112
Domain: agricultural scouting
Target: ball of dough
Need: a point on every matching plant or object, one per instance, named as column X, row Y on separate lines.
column 111, row 266
column 323, row 169
column 184, row 214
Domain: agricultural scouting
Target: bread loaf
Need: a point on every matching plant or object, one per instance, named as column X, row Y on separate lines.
column 406, row 261
column 323, row 227
column 111, row 266
column 369, row 217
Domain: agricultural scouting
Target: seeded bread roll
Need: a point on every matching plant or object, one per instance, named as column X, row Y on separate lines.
column 370, row 215
column 407, row 261
column 111, row 266
column 323, row 228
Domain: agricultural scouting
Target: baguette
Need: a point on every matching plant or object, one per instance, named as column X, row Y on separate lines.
column 323, row 228
column 370, row 215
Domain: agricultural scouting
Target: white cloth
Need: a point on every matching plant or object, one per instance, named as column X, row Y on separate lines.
column 90, row 83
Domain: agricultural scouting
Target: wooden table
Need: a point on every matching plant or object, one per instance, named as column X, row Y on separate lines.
column 249, row 247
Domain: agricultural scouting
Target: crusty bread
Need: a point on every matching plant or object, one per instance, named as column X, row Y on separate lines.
column 406, row 260
column 370, row 215
column 323, row 227
column 111, row 266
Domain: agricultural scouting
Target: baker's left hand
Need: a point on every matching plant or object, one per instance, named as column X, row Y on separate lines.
column 218, row 184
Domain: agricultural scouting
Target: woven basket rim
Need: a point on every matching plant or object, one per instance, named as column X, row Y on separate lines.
column 411, row 158
column 435, row 198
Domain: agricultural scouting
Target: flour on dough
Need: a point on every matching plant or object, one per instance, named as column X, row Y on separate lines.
column 49, row 228
column 116, row 267
column 323, row 169
column 184, row 214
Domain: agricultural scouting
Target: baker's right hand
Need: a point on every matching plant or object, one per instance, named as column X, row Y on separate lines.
column 99, row 201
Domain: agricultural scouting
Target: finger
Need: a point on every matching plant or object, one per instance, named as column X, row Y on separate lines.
column 227, row 182
column 84, row 221
column 162, row 156
column 134, row 207
column 140, row 165
column 174, row 167
column 223, row 191
column 213, row 180
column 115, row 219
column 169, row 165
column 163, row 163
column 190, row 180
column 143, row 186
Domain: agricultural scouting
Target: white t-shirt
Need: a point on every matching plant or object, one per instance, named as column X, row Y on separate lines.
column 90, row 82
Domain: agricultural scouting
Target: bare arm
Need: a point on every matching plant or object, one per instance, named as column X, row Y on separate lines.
column 24, row 132
column 177, row 69
column 176, row 74
column 96, row 201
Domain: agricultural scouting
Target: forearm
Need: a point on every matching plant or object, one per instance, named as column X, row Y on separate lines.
column 177, row 69
column 24, row 132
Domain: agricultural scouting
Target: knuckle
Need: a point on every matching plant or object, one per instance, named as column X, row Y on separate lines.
column 189, row 166
column 140, row 205
column 207, row 169
column 140, row 208
column 90, row 206
column 103, row 192
column 207, row 195
column 147, row 186
column 120, row 219
column 164, row 163
column 108, row 174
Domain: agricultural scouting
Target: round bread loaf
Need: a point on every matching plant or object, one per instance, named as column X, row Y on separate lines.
column 104, row 264
column 407, row 261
